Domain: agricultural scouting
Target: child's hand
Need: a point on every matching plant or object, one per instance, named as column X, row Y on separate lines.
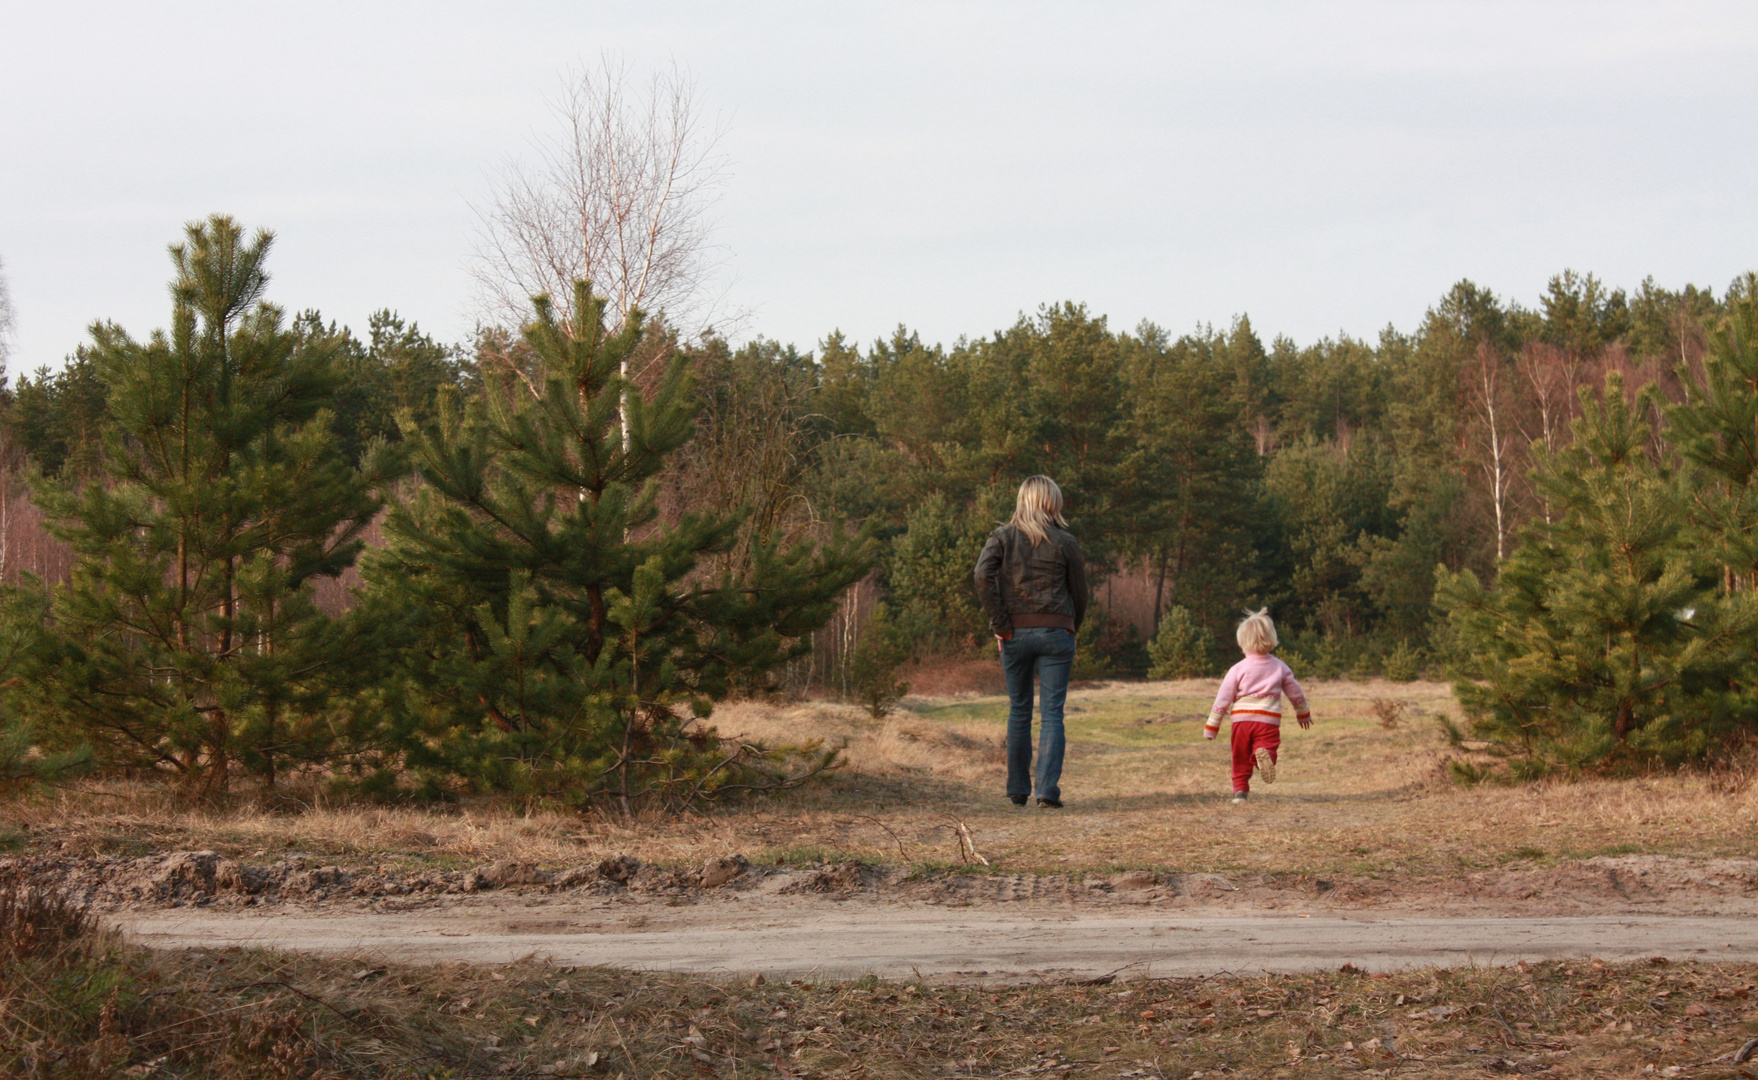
column 1207, row 734
column 1306, row 723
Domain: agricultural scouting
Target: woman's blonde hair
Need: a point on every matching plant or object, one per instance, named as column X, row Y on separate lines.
column 1039, row 506
column 1257, row 634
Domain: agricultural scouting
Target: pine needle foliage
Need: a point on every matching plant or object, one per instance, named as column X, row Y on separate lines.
column 570, row 640
column 1605, row 640
column 1181, row 648
column 187, row 639
column 1716, row 429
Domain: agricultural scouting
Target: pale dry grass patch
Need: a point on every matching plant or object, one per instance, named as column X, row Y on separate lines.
column 1143, row 789
column 899, row 744
column 117, row 818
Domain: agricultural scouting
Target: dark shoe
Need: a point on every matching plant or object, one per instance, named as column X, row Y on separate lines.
column 1018, row 800
column 1050, row 804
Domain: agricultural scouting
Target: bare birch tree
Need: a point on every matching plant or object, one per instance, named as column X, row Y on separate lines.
column 619, row 196
column 1487, row 398
column 6, row 322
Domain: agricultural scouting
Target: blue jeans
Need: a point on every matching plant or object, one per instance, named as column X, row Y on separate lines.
column 1049, row 652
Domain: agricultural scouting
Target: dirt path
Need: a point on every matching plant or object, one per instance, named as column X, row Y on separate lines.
column 850, row 919
column 850, row 938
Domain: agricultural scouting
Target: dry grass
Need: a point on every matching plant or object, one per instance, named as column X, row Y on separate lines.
column 1143, row 789
column 82, row 1005
column 906, row 743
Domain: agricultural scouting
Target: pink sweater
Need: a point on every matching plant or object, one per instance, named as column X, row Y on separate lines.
column 1253, row 690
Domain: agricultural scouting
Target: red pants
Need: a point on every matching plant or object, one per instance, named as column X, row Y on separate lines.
column 1248, row 737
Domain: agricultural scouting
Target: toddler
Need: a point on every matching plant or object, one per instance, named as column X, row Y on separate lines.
column 1252, row 694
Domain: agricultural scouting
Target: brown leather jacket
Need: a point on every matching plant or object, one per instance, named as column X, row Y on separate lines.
column 1022, row 584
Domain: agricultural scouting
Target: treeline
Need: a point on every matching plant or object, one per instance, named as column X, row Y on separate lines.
column 57, row 419
column 583, row 533
column 1326, row 482
column 1575, row 478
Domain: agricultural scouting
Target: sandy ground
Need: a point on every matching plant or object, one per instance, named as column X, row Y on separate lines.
column 789, row 936
column 845, row 921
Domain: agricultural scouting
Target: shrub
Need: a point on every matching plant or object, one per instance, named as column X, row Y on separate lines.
column 886, row 646
column 1182, row 648
column 1403, row 663
column 1388, row 711
column 1320, row 656
column 1106, row 648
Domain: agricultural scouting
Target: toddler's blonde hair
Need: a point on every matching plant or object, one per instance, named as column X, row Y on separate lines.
column 1257, row 634
column 1039, row 506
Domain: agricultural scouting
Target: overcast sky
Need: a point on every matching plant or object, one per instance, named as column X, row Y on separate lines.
column 1324, row 167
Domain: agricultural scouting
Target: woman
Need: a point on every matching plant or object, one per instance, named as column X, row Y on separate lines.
column 1033, row 585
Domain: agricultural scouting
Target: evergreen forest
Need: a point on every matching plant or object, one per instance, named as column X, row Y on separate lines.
column 253, row 545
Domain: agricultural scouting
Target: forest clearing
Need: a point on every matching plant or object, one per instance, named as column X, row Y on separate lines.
column 1363, row 839
column 1355, row 799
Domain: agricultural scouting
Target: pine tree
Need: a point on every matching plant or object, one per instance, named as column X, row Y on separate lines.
column 187, row 638
column 398, row 368
column 570, row 632
column 1603, row 640
column 928, row 570
column 1716, row 429
column 1189, row 477
column 22, row 762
